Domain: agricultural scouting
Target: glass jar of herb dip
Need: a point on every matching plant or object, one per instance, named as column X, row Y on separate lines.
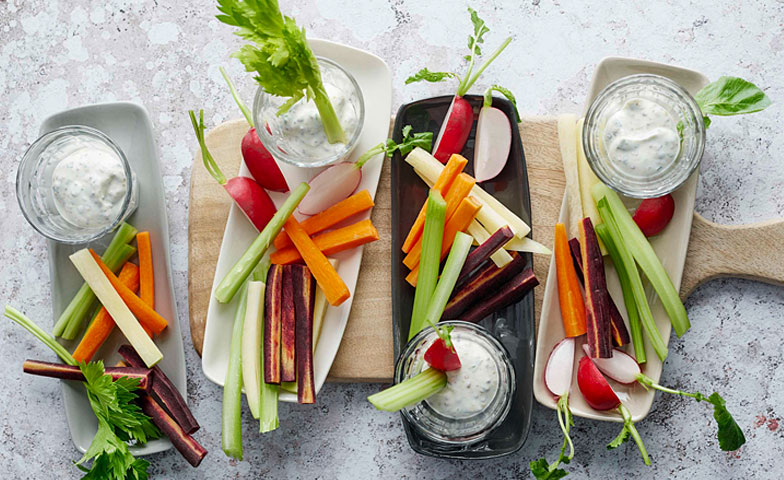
column 74, row 185
column 644, row 135
column 297, row 136
column 477, row 397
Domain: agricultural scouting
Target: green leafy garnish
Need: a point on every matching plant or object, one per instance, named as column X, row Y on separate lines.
column 540, row 468
column 629, row 430
column 428, row 76
column 423, row 140
column 281, row 57
column 474, row 41
column 731, row 96
column 119, row 421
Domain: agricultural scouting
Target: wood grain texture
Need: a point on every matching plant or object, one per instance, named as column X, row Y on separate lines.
column 748, row 251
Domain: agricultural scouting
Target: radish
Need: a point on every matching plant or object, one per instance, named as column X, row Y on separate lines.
column 259, row 161
column 253, row 200
column 622, row 368
column 600, row 396
column 459, row 119
column 493, row 137
column 558, row 379
column 337, row 182
column 654, row 214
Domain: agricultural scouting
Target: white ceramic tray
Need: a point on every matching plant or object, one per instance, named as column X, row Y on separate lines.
column 670, row 246
column 375, row 81
column 128, row 125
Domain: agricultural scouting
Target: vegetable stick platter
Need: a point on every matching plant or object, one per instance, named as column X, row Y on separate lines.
column 366, row 353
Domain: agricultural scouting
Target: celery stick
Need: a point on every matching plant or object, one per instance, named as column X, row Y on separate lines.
column 114, row 257
column 268, row 392
column 454, row 263
column 429, row 261
column 635, row 327
column 231, row 425
column 47, row 339
column 410, row 391
column 643, row 253
column 630, row 269
column 233, row 280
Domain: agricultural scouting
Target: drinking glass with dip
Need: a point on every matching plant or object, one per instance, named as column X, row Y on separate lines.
column 297, row 137
column 477, row 396
column 644, row 135
column 75, row 185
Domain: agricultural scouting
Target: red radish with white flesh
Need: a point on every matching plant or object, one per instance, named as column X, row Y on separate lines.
column 260, row 163
column 654, row 214
column 254, row 202
column 558, row 370
column 621, row 367
column 339, row 181
column 594, row 387
column 454, row 130
column 459, row 118
column 493, row 138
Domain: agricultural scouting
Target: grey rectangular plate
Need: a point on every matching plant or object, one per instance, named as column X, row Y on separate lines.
column 128, row 125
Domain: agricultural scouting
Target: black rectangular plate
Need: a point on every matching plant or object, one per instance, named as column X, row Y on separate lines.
column 514, row 325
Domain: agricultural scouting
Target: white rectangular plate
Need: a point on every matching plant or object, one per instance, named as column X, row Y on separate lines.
column 128, row 125
column 375, row 81
column 670, row 246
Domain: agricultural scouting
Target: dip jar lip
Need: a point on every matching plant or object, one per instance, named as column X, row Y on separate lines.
column 434, row 425
column 264, row 103
column 679, row 102
column 37, row 206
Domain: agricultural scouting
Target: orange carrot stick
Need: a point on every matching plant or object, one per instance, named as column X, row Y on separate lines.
column 146, row 277
column 453, row 168
column 103, row 324
column 359, row 202
column 331, row 242
column 326, row 276
column 460, row 189
column 459, row 222
column 569, row 296
column 147, row 316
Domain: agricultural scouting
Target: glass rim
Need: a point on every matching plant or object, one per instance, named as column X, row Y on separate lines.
column 33, row 155
column 668, row 183
column 509, row 373
column 269, row 142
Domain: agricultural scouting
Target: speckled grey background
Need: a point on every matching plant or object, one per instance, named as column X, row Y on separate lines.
column 60, row 54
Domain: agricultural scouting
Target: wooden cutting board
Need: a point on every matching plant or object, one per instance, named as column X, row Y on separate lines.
column 749, row 251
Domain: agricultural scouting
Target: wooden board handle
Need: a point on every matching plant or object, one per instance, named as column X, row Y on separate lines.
column 754, row 251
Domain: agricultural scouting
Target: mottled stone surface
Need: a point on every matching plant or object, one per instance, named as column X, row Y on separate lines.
column 61, row 54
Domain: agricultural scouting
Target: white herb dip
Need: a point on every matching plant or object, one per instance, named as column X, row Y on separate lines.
column 471, row 388
column 641, row 138
column 88, row 183
column 302, row 129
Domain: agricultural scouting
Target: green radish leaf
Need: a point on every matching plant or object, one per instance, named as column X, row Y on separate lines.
column 620, row 439
column 428, row 76
column 705, row 120
column 476, row 38
column 541, row 470
column 730, row 435
column 506, row 93
column 731, row 96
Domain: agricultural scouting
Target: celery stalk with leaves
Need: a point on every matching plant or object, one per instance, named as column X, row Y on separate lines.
column 280, row 57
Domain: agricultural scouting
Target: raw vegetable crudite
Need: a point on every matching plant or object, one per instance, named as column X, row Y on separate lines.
column 281, row 58
column 262, row 166
column 493, row 136
column 254, row 202
column 460, row 116
column 339, row 181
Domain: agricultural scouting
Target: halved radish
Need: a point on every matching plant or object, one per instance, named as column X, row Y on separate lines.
column 260, row 163
column 332, row 185
column 454, row 130
column 559, row 367
column 493, row 142
column 253, row 200
column 621, row 366
column 594, row 387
